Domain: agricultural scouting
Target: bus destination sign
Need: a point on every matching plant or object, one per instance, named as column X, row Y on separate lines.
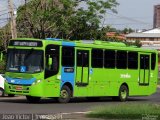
column 26, row 43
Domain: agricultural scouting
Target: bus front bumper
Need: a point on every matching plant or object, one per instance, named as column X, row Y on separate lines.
column 32, row 90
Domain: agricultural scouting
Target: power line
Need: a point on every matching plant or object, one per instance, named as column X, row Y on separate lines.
column 127, row 18
column 3, row 14
column 4, row 21
column 4, row 18
column 3, row 10
column 123, row 24
column 116, row 18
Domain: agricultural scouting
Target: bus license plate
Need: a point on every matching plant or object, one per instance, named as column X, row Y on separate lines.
column 19, row 88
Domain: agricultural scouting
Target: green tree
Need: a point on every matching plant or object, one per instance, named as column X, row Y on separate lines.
column 63, row 18
column 127, row 30
column 138, row 43
column 5, row 36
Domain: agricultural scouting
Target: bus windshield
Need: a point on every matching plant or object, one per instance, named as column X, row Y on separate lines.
column 19, row 60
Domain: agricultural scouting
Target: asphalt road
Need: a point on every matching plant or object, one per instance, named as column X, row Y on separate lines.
column 9, row 105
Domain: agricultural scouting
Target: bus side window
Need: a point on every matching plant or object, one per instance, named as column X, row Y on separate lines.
column 68, row 56
column 132, row 60
column 144, row 61
column 109, row 59
column 121, row 60
column 153, row 61
column 97, row 58
column 52, row 51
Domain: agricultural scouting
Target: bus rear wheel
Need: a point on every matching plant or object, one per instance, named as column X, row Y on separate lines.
column 65, row 95
column 123, row 93
column 33, row 99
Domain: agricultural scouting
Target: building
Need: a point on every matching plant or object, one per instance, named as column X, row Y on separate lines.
column 114, row 35
column 149, row 38
column 156, row 19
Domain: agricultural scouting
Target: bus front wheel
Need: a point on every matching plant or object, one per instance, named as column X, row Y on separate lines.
column 65, row 95
column 123, row 93
column 33, row 99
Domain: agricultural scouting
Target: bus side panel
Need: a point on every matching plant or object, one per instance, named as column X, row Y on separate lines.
column 68, row 75
column 105, row 82
column 83, row 87
column 81, row 91
column 135, row 89
column 52, row 86
column 100, row 82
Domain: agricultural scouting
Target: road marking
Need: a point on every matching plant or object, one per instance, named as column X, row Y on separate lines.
column 76, row 113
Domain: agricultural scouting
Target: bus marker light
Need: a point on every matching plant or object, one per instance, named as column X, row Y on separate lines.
column 38, row 81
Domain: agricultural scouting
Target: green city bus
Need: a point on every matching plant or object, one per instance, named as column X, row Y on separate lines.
column 62, row 69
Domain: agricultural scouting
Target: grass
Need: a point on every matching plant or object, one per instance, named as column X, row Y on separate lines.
column 127, row 111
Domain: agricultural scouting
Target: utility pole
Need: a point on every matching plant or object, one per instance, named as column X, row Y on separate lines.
column 13, row 19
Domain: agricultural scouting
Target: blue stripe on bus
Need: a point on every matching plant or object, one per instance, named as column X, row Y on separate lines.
column 67, row 76
column 20, row 81
column 64, row 43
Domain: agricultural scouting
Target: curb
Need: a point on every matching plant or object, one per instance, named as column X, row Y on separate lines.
column 77, row 116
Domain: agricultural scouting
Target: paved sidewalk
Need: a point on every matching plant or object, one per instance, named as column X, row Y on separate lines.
column 77, row 116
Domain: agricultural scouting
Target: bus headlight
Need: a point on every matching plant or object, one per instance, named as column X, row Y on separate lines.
column 33, row 83
column 36, row 82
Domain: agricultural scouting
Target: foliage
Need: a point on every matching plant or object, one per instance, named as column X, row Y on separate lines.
column 126, row 111
column 5, row 36
column 3, row 64
column 138, row 43
column 127, row 30
column 66, row 19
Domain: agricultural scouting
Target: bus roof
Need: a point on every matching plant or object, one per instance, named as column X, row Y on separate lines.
column 87, row 43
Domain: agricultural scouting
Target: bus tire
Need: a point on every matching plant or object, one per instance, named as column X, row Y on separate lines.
column 93, row 99
column 33, row 99
column 1, row 92
column 65, row 95
column 123, row 93
column 11, row 95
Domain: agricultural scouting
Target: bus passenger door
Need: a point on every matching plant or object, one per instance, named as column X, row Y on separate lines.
column 144, row 70
column 82, row 68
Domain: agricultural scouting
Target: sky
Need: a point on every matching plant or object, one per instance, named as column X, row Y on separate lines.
column 4, row 10
column 135, row 14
